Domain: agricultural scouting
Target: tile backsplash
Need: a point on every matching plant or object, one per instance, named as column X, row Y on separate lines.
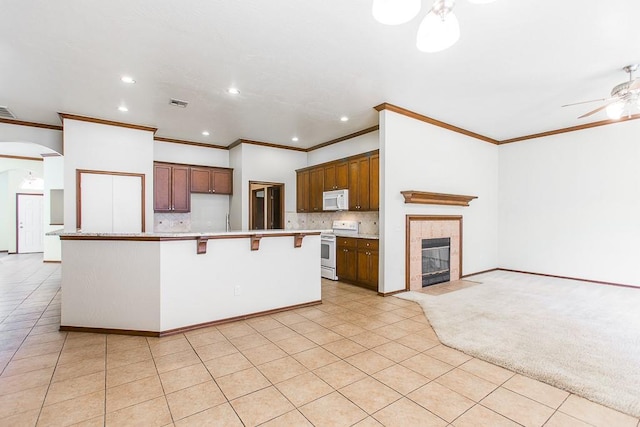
column 323, row 220
column 171, row 222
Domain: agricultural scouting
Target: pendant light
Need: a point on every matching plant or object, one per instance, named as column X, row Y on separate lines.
column 395, row 12
column 440, row 29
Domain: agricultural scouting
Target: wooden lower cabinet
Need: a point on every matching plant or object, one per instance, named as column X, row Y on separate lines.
column 357, row 261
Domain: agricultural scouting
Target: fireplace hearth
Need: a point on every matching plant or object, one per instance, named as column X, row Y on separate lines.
column 436, row 261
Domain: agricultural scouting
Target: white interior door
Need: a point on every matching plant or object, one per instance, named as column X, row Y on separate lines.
column 30, row 223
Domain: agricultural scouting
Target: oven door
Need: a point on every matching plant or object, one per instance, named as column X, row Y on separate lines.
column 328, row 257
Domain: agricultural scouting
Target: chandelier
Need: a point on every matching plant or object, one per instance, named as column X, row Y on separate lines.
column 439, row 29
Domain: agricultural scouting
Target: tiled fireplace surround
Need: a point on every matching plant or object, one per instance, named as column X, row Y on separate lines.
column 421, row 227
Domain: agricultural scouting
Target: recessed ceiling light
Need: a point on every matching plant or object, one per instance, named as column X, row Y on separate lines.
column 127, row 79
column 294, row 139
column 205, row 132
column 344, row 119
column 233, row 90
column 123, row 108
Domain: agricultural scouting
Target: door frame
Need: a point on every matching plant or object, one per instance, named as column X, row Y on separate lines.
column 281, row 207
column 79, row 173
column 18, row 216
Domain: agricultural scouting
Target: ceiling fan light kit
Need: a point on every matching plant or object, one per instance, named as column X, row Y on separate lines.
column 439, row 29
column 624, row 100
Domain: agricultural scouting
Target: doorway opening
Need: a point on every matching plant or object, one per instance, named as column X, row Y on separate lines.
column 266, row 205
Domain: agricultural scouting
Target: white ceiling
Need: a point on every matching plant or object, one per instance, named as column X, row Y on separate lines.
column 300, row 65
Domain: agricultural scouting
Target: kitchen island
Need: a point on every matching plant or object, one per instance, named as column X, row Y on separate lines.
column 158, row 284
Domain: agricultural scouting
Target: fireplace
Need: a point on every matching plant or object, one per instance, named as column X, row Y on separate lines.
column 436, row 261
column 434, row 250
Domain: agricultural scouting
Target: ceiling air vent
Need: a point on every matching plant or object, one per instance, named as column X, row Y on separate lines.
column 5, row 113
column 178, row 103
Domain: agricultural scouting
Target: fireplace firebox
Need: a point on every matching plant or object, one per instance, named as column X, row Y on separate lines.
column 436, row 257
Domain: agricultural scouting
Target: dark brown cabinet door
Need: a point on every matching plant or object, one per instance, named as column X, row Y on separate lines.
column 368, row 268
column 162, row 188
column 200, row 180
column 359, row 184
column 181, row 191
column 221, row 181
column 330, row 177
column 302, row 191
column 346, row 264
column 374, row 183
column 316, row 187
column 342, row 175
column 171, row 188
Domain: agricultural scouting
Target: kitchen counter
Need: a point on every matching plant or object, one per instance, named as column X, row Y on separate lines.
column 359, row 236
column 158, row 284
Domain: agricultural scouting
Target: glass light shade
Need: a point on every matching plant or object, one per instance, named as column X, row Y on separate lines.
column 436, row 34
column 395, row 12
column 615, row 110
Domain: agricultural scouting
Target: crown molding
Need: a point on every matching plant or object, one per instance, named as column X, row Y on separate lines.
column 7, row 156
column 417, row 116
column 263, row 144
column 30, row 124
column 181, row 141
column 344, row 138
column 570, row 129
column 106, row 122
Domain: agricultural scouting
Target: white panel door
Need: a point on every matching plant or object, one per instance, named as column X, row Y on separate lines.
column 30, row 223
column 110, row 203
column 127, row 204
column 96, row 212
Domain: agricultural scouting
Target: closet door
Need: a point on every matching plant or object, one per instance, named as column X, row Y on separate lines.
column 110, row 203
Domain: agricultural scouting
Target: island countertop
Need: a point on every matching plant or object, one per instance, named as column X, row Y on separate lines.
column 82, row 235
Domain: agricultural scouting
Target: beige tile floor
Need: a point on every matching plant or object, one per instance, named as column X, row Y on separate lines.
column 357, row 359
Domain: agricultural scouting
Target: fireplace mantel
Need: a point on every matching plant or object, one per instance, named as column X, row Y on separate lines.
column 426, row 198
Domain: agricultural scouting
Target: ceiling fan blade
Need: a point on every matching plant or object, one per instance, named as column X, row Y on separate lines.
column 597, row 110
column 587, row 102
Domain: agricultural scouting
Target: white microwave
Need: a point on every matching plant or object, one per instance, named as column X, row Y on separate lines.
column 336, row 200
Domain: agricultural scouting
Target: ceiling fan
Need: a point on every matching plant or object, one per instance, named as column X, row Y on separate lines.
column 625, row 98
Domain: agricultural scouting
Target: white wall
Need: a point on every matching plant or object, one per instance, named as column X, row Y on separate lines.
column 53, row 179
column 12, row 173
column 570, row 204
column 49, row 138
column 267, row 164
column 102, row 147
column 415, row 155
column 347, row 148
column 190, row 154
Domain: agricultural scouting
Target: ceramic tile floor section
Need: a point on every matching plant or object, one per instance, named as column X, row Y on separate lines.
column 357, row 359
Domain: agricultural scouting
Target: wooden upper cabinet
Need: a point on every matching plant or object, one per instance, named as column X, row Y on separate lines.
column 336, row 176
column 171, row 192
column 181, row 193
column 302, row 191
column 316, row 187
column 359, row 184
column 200, row 180
column 211, row 180
column 360, row 174
column 222, row 181
column 374, row 182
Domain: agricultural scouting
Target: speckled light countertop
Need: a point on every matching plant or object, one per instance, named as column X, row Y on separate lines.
column 184, row 235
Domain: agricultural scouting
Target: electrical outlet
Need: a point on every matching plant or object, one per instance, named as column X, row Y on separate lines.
column 236, row 290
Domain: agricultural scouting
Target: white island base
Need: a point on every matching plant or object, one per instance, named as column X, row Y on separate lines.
column 160, row 284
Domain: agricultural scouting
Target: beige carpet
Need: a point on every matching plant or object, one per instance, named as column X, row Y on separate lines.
column 582, row 337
